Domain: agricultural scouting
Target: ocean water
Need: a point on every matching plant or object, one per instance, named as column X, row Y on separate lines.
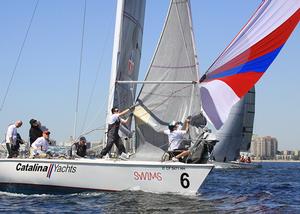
column 274, row 188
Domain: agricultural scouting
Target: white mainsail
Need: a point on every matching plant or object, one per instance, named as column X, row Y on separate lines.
column 175, row 59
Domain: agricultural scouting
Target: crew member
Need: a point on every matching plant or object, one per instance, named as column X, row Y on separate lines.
column 113, row 132
column 175, row 136
column 39, row 148
column 34, row 131
column 11, row 136
column 78, row 149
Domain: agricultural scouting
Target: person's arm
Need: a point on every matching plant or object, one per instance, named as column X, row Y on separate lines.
column 36, row 144
column 125, row 121
column 186, row 125
column 74, row 150
column 9, row 134
column 131, row 108
column 124, row 112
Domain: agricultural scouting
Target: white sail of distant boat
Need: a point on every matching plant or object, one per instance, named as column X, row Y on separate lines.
column 116, row 174
column 175, row 61
column 235, row 135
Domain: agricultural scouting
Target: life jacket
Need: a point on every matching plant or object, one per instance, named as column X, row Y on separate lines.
column 80, row 149
column 113, row 129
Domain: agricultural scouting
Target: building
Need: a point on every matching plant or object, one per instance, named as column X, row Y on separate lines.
column 264, row 147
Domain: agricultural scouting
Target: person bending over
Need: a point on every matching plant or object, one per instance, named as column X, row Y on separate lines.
column 39, row 148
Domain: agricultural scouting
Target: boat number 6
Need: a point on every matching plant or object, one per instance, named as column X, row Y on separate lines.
column 185, row 183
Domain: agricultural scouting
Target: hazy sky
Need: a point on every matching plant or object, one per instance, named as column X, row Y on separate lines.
column 45, row 83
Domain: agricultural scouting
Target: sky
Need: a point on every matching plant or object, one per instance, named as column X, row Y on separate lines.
column 44, row 86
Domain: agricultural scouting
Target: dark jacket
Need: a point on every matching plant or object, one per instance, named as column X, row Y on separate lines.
column 34, row 133
column 80, row 149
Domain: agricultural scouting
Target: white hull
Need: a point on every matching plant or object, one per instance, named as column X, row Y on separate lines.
column 107, row 175
column 235, row 165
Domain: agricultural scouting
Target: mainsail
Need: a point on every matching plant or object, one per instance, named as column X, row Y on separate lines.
column 247, row 57
column 236, row 133
column 248, row 120
column 174, row 60
column 126, row 53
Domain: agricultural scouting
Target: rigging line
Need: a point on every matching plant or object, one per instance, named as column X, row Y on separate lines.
column 95, row 118
column 100, row 110
column 19, row 56
column 97, row 75
column 92, row 130
column 79, row 72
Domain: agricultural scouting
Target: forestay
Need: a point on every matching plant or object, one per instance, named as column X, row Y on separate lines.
column 174, row 60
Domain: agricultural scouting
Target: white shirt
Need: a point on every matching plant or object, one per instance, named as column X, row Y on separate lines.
column 11, row 133
column 114, row 118
column 40, row 144
column 175, row 138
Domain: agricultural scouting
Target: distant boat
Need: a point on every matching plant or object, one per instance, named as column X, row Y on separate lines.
column 236, row 165
column 225, row 85
column 235, row 135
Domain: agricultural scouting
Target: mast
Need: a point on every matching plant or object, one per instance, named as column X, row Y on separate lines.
column 126, row 56
column 115, row 58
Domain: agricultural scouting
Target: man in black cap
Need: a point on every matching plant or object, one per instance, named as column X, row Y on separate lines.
column 34, row 131
column 78, row 149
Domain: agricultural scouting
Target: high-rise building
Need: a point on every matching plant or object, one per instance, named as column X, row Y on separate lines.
column 264, row 147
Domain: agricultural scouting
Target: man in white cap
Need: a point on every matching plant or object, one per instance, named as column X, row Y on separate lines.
column 11, row 136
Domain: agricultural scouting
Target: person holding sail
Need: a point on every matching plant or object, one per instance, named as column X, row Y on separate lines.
column 176, row 135
column 113, row 131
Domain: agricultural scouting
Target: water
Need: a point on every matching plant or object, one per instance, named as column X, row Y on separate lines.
column 275, row 188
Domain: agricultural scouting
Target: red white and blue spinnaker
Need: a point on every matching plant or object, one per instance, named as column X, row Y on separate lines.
column 247, row 57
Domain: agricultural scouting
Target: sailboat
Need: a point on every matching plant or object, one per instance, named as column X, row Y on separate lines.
column 145, row 175
column 236, row 134
column 225, row 85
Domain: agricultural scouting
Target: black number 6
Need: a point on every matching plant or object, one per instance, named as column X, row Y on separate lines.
column 185, row 183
